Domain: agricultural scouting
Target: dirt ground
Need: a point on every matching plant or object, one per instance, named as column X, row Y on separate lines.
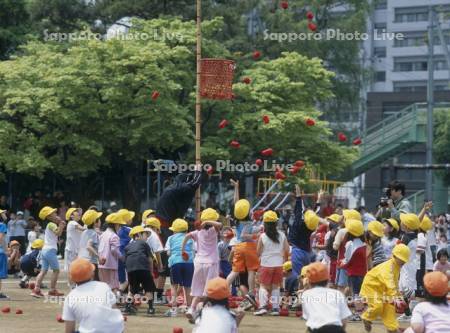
column 40, row 316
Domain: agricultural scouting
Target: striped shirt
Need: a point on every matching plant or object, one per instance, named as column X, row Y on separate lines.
column 378, row 254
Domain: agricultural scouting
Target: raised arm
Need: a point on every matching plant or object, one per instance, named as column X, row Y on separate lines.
column 235, row 184
column 426, row 207
column 298, row 209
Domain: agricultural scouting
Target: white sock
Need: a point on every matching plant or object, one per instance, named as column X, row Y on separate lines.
column 263, row 295
column 275, row 298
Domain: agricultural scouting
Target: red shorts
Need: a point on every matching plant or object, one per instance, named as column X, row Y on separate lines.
column 270, row 275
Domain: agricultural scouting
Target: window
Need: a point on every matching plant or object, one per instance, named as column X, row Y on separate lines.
column 381, row 4
column 416, row 86
column 379, row 52
column 380, row 76
column 380, row 26
column 418, row 64
column 411, row 14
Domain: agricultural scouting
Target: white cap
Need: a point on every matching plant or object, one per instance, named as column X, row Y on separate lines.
column 19, row 213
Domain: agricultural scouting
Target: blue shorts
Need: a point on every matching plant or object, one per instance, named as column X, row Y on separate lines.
column 182, row 274
column 225, row 268
column 122, row 272
column 299, row 259
column 49, row 259
column 3, row 266
column 341, row 277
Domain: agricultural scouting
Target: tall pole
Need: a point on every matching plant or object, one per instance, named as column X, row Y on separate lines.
column 198, row 107
column 430, row 102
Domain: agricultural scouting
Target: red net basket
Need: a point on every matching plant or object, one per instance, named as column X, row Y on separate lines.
column 217, row 78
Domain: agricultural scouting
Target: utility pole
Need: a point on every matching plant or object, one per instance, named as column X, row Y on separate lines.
column 430, row 103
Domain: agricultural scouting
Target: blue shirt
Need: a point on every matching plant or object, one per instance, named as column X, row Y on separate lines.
column 173, row 245
column 124, row 238
column 3, row 230
column 247, row 227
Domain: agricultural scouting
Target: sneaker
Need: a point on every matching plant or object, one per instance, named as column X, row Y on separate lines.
column 260, row 312
column 171, row 313
column 355, row 317
column 3, row 296
column 275, row 312
column 129, row 309
column 404, row 318
column 55, row 293
column 37, row 293
column 252, row 300
column 191, row 315
column 23, row 285
column 151, row 311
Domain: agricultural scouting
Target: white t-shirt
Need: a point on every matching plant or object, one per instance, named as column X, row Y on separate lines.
column 155, row 243
column 215, row 319
column 90, row 305
column 272, row 254
column 50, row 237
column 422, row 243
column 32, row 237
column 388, row 245
column 324, row 306
column 409, row 270
column 73, row 237
column 431, row 235
column 435, row 318
column 89, row 235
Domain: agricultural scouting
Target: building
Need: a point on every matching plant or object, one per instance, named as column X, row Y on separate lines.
column 400, row 78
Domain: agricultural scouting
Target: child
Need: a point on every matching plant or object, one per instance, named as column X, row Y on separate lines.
column 30, row 262
column 375, row 251
column 91, row 303
column 89, row 240
column 3, row 249
column 206, row 262
column 424, row 256
column 109, row 251
column 408, row 281
column 16, row 230
column 324, row 309
column 14, row 258
column 224, row 249
column 290, row 280
column 73, row 235
column 180, row 263
column 433, row 315
column 146, row 214
column 273, row 250
column 442, row 264
column 34, row 233
column 138, row 262
column 49, row 258
column 389, row 239
column 355, row 260
column 380, row 289
column 334, row 221
column 215, row 315
column 123, row 233
column 153, row 225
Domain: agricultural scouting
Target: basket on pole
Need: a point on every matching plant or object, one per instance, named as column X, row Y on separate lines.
column 217, row 79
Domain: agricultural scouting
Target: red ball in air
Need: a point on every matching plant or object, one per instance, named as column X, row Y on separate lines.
column 155, row 95
column 256, row 55
column 357, row 141
column 259, row 162
column 299, row 163
column 342, row 137
column 224, row 123
column 210, row 171
column 247, row 80
column 294, row 170
column 266, row 119
column 267, row 152
column 309, row 15
column 284, row 4
column 235, row 144
column 312, row 26
column 310, row 122
column 280, row 175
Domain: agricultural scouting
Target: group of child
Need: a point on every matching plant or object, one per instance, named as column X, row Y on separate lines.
column 384, row 267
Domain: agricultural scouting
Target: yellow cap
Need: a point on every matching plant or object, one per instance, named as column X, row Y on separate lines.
column 45, row 212
column 125, row 214
column 114, row 218
column 37, row 244
column 153, row 222
column 270, row 216
column 209, row 214
column 146, row 213
column 426, row 224
column 311, row 220
column 287, row 266
column 69, row 213
column 179, row 225
column 304, row 271
column 410, row 220
column 354, row 227
column 376, row 228
column 2, row 211
column 393, row 223
column 402, row 252
column 136, row 230
column 90, row 216
column 351, row 214
column 336, row 218
column 241, row 209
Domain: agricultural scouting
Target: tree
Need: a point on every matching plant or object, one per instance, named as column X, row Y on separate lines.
column 13, row 26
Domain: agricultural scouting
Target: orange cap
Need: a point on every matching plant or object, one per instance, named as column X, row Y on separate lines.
column 317, row 272
column 218, row 289
column 81, row 270
column 436, row 283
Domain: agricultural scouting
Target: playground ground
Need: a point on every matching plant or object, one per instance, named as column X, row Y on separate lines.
column 40, row 316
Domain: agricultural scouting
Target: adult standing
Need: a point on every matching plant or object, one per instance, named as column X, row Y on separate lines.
column 397, row 202
column 16, row 230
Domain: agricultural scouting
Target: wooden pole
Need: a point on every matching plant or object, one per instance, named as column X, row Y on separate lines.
column 198, row 106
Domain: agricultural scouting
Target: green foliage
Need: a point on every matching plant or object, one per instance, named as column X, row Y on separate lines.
column 441, row 145
column 13, row 21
